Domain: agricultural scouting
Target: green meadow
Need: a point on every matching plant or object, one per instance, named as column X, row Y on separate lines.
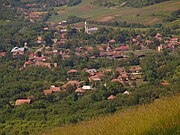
column 147, row 15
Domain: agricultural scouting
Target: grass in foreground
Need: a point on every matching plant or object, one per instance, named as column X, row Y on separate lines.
column 161, row 118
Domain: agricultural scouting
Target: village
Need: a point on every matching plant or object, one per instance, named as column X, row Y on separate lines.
column 128, row 77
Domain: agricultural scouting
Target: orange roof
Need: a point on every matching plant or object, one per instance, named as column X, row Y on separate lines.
column 124, row 75
column 55, row 64
column 117, row 80
column 55, row 89
column 138, row 68
column 77, row 83
column 112, row 41
column 111, row 97
column 80, row 90
column 47, row 65
column 72, row 71
column 165, row 83
column 2, row 53
column 100, row 48
column 46, row 92
column 22, row 101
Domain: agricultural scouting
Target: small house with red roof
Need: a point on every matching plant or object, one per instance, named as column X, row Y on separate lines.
column 80, row 90
column 111, row 97
column 72, row 83
column 22, row 101
column 112, row 41
column 165, row 83
column 72, row 71
column 174, row 40
column 122, row 48
column 2, row 54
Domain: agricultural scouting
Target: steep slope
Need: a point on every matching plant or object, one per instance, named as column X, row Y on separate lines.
column 160, row 117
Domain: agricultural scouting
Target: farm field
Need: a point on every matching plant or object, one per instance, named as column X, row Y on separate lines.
column 160, row 117
column 147, row 15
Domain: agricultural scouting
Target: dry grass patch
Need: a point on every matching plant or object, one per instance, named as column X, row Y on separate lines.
column 158, row 116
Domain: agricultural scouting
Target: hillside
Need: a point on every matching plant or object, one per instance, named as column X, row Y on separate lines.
column 149, row 15
column 160, row 117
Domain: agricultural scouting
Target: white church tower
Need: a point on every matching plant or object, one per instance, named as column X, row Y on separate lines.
column 86, row 27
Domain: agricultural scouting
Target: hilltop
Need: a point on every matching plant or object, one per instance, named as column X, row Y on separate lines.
column 160, row 117
column 148, row 15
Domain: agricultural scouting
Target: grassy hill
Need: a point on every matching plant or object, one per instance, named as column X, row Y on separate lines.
column 147, row 15
column 161, row 117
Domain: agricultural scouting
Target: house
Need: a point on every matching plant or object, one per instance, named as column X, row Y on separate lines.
column 122, row 48
column 46, row 28
column 91, row 71
column 174, row 40
column 2, row 54
column 43, row 58
column 158, row 36
column 72, row 83
column 19, row 51
column 124, row 76
column 118, row 80
column 86, row 87
column 63, row 35
column 55, row 65
column 52, row 89
column 63, row 30
column 42, row 64
column 89, row 49
column 120, row 69
column 112, row 41
column 46, row 92
column 29, row 62
column 138, row 69
column 126, row 93
column 55, row 89
column 32, row 56
column 40, row 40
column 22, row 101
column 79, row 90
column 47, row 65
column 111, row 97
column 94, row 78
column 100, row 48
column 72, row 71
column 165, row 83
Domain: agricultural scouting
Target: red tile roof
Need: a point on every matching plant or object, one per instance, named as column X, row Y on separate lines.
column 112, row 41
column 79, row 90
column 3, row 54
column 122, row 48
column 22, row 101
column 55, row 89
column 165, row 83
column 111, row 97
column 46, row 92
column 72, row 71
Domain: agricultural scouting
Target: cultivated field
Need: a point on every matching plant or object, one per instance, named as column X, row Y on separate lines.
column 147, row 15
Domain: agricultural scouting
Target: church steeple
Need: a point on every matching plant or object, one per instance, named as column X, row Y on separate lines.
column 86, row 27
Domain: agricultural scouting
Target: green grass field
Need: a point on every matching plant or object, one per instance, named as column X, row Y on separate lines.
column 161, row 117
column 146, row 15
